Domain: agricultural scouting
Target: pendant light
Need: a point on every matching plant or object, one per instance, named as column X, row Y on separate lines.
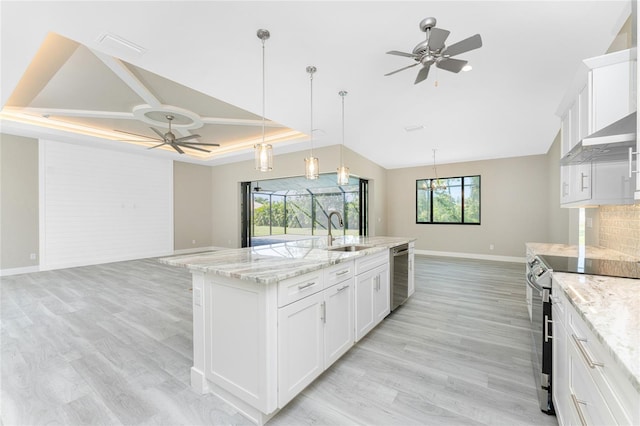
column 435, row 183
column 263, row 151
column 343, row 171
column 311, row 165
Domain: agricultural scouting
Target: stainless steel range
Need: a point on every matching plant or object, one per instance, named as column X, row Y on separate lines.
column 538, row 278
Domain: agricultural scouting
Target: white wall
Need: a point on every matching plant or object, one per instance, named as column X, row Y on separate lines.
column 514, row 208
column 99, row 206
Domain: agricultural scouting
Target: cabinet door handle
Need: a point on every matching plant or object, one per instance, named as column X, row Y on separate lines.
column 631, row 154
column 585, row 354
column 547, row 336
column 582, row 176
column 307, row 285
column 323, row 312
column 346, row 271
column 346, row 286
column 577, row 403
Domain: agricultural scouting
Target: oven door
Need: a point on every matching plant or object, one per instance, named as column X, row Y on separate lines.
column 541, row 344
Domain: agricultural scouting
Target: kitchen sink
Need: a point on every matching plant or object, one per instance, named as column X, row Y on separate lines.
column 348, row 248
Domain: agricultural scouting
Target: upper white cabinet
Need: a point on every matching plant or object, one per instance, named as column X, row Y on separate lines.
column 603, row 92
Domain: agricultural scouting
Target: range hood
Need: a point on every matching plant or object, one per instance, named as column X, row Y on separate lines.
column 610, row 143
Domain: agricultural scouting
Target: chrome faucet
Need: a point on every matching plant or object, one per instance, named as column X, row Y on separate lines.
column 329, row 237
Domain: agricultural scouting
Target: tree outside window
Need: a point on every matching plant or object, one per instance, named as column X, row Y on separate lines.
column 453, row 200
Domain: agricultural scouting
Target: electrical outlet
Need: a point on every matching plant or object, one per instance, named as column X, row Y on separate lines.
column 33, row 256
column 197, row 297
column 490, row 246
column 193, row 241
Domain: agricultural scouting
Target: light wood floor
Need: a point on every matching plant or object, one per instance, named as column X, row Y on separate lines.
column 111, row 344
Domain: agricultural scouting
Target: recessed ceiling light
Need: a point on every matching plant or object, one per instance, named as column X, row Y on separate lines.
column 413, row 128
column 467, row 68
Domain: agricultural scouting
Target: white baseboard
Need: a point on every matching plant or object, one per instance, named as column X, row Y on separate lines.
column 471, row 256
column 199, row 249
column 17, row 271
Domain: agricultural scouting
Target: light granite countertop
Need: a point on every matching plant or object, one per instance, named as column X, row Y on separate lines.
column 610, row 306
column 269, row 264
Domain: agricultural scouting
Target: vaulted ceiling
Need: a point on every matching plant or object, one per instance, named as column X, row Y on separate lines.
column 97, row 67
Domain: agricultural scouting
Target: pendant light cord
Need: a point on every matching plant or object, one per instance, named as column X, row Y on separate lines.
column 311, row 70
column 263, row 90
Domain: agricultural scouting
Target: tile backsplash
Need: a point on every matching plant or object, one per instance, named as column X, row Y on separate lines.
column 620, row 228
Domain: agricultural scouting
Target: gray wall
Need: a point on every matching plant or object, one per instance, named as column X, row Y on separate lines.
column 514, row 206
column 18, row 201
column 227, row 178
column 192, row 205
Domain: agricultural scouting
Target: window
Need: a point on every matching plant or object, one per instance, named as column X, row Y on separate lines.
column 454, row 200
column 278, row 210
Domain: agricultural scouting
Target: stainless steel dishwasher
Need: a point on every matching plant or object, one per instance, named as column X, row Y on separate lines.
column 399, row 273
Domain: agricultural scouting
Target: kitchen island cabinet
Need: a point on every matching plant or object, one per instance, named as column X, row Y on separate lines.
column 268, row 320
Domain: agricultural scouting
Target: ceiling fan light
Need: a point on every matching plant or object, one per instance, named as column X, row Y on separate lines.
column 343, row 175
column 467, row 68
column 311, row 168
column 264, row 157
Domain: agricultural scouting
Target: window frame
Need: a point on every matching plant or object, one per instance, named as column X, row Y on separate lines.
column 462, row 201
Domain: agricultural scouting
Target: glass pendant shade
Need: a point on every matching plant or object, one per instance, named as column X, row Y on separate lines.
column 343, row 175
column 311, row 168
column 264, row 157
column 263, row 152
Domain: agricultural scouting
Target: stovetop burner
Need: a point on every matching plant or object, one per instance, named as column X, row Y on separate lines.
column 585, row 265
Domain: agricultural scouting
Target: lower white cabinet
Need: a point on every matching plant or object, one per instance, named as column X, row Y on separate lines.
column 372, row 293
column 589, row 388
column 313, row 333
column 300, row 346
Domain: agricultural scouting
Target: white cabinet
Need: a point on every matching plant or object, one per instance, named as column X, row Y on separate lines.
column 372, row 293
column 588, row 387
column 595, row 183
column 603, row 92
column 300, row 345
column 314, row 331
column 339, row 318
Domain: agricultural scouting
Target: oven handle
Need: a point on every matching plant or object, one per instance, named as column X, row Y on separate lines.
column 532, row 284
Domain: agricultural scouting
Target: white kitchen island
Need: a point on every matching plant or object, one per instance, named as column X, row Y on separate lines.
column 268, row 320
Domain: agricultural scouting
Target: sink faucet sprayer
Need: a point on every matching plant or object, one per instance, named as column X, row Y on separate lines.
column 340, row 223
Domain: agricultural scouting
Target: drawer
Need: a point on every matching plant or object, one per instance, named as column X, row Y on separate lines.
column 371, row 261
column 296, row 288
column 617, row 392
column 587, row 403
column 338, row 273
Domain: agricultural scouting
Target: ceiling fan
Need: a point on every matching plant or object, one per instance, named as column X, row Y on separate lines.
column 170, row 139
column 434, row 51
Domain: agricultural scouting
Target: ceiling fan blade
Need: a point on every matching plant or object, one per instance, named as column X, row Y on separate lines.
column 398, row 53
column 158, row 132
column 135, row 134
column 177, row 148
column 437, row 37
column 186, row 138
column 422, row 74
column 156, row 146
column 199, row 143
column 402, row 69
column 471, row 43
column 450, row 64
column 193, row 147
